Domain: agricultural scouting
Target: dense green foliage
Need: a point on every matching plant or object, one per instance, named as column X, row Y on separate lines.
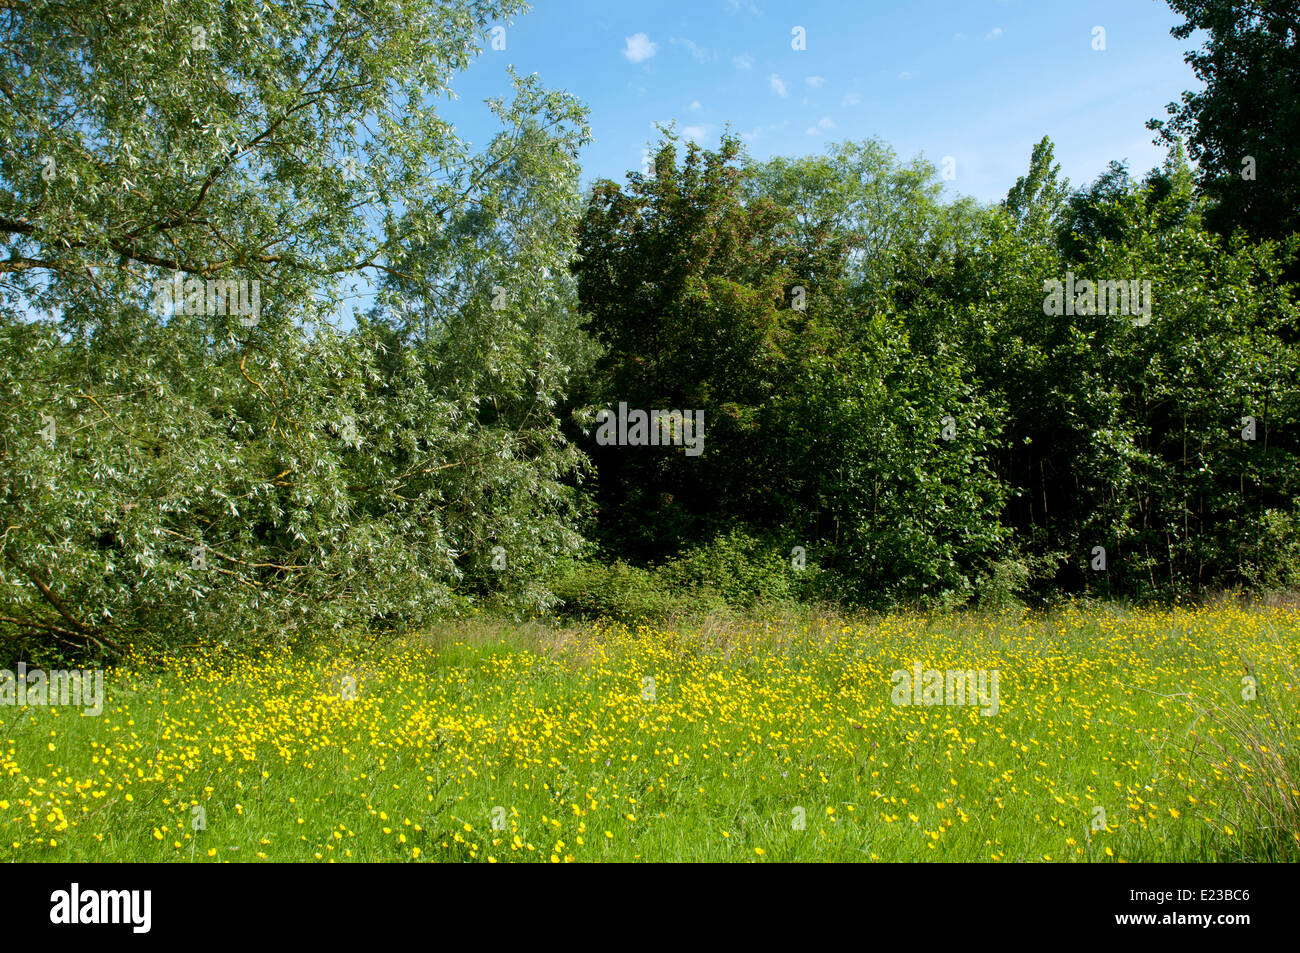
column 176, row 469
column 895, row 406
column 1243, row 127
column 923, row 424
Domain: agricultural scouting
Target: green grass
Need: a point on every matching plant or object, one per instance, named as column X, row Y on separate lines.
column 1136, row 713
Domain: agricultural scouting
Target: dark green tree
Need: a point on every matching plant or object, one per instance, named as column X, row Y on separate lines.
column 687, row 289
column 1243, row 128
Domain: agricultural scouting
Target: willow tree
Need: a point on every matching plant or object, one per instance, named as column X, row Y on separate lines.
column 193, row 444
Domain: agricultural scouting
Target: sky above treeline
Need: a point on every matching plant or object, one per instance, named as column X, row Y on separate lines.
column 979, row 81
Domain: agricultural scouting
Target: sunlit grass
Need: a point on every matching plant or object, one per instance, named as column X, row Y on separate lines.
column 747, row 728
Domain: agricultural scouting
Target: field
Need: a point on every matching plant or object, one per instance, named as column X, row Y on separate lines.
column 1117, row 735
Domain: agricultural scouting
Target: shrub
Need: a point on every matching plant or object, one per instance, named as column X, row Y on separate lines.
column 1271, row 558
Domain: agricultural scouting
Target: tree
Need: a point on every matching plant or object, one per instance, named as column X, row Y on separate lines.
column 688, row 290
column 752, row 287
column 858, row 213
column 1126, row 433
column 192, row 447
column 1243, row 128
column 1037, row 202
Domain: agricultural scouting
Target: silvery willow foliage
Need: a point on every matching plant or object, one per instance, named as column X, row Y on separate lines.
column 173, row 466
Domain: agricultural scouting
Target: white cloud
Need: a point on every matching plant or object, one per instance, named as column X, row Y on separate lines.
column 904, row 75
column 696, row 132
column 823, row 125
column 778, row 85
column 743, row 61
column 640, row 48
column 816, row 82
column 850, row 99
column 994, row 33
column 700, row 54
column 695, row 105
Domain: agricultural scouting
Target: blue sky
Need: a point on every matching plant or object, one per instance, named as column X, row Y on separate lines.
column 978, row 80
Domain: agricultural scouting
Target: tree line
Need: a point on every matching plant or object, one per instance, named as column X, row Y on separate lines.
column 903, row 397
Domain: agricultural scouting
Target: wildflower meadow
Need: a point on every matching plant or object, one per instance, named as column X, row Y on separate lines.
column 1119, row 735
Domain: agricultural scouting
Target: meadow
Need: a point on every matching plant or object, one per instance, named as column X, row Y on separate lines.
column 1120, row 735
